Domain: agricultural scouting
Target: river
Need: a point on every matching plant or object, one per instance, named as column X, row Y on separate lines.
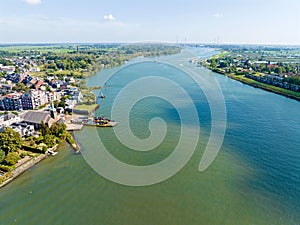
column 255, row 178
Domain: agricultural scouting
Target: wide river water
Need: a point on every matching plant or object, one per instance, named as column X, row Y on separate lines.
column 255, row 178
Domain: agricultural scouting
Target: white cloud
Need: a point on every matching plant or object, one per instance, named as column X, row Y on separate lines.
column 109, row 17
column 33, row 2
column 218, row 15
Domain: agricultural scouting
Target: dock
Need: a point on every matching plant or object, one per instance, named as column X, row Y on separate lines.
column 74, row 127
column 77, row 122
column 71, row 123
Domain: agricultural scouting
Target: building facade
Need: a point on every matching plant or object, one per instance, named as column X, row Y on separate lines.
column 11, row 102
column 26, row 101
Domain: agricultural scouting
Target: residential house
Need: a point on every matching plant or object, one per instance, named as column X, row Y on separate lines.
column 8, row 119
column 27, row 80
column 15, row 78
column 34, row 69
column 39, row 84
column 23, row 129
column 7, row 69
column 6, row 88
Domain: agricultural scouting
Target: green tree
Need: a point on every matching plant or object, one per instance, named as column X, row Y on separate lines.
column 5, row 62
column 293, row 80
column 213, row 63
column 58, row 130
column 42, row 147
column 20, row 87
column 50, row 140
column 278, row 70
column 232, row 69
column 2, row 155
column 12, row 158
column 39, row 139
column 17, row 70
column 45, row 129
column 62, row 104
column 55, row 103
column 48, row 88
column 10, row 140
column 223, row 64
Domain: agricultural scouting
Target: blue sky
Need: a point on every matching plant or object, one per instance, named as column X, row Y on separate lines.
column 201, row 21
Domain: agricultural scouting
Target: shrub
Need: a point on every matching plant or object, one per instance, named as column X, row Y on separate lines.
column 2, row 155
column 12, row 158
column 16, row 113
column 70, row 139
column 50, row 140
column 23, row 154
column 42, row 147
column 5, row 168
column 10, row 140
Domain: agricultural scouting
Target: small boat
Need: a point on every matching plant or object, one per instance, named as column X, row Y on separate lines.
column 52, row 152
column 102, row 95
column 108, row 124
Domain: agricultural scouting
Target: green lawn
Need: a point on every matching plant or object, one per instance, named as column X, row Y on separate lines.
column 86, row 107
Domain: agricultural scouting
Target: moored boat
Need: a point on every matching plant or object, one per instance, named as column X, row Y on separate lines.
column 102, row 95
column 100, row 121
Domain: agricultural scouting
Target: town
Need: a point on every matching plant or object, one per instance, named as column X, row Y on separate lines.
column 273, row 69
column 25, row 96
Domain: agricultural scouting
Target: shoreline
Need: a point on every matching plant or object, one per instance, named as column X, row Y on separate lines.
column 34, row 161
column 266, row 87
column 23, row 168
column 256, row 84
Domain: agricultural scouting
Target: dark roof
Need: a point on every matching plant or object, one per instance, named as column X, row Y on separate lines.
column 8, row 116
column 61, row 120
column 36, row 117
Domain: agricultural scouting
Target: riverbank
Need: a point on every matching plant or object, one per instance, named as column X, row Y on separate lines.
column 266, row 87
column 241, row 78
column 22, row 168
column 25, row 164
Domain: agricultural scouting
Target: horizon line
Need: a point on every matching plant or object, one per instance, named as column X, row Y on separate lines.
column 151, row 42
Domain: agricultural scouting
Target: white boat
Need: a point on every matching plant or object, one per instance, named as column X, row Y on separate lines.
column 52, row 152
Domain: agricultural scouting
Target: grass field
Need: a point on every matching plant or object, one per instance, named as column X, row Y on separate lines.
column 39, row 48
column 86, row 107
